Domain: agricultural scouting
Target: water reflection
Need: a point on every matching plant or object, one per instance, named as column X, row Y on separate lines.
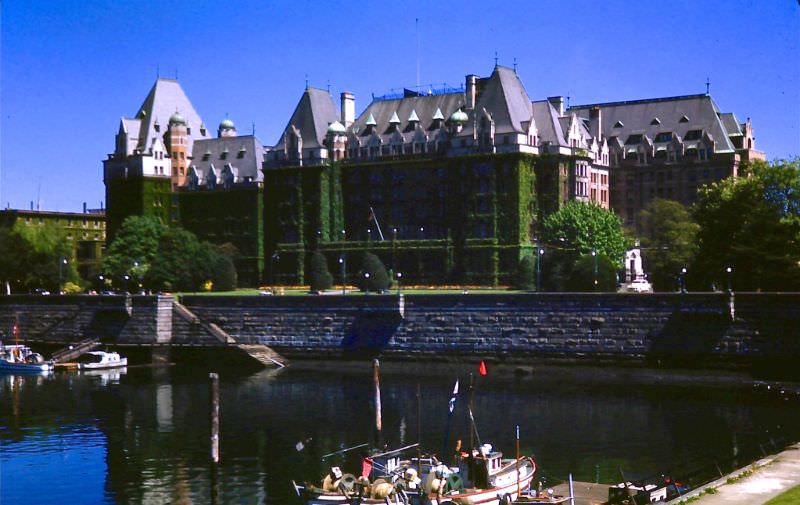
column 142, row 436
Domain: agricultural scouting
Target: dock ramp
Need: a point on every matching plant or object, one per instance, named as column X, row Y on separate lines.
column 73, row 351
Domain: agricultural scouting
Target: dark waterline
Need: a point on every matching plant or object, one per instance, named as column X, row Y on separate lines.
column 142, row 436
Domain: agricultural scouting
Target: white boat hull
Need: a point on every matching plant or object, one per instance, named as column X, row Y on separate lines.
column 123, row 362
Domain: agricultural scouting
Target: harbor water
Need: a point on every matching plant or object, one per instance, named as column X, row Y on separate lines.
column 141, row 435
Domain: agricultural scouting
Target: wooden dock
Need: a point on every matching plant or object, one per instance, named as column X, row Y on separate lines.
column 586, row 493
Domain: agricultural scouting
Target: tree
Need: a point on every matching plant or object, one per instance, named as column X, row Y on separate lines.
column 574, row 231
column 526, row 273
column 223, row 273
column 582, row 276
column 36, row 257
column 669, row 241
column 180, row 262
column 373, row 275
column 321, row 279
column 134, row 248
column 751, row 224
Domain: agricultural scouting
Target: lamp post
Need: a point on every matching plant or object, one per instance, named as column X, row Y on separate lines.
column 399, row 277
column 394, row 248
column 682, row 281
column 366, row 283
column 100, row 283
column 594, row 256
column 138, row 274
column 62, row 262
column 126, row 278
column 422, row 232
column 729, row 271
column 272, row 260
column 343, row 267
column 539, row 254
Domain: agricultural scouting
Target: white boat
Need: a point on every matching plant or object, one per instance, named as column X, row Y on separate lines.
column 97, row 360
column 19, row 358
column 483, row 477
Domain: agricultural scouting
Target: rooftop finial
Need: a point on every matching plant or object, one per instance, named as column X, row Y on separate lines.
column 495, row 58
column 329, row 86
column 306, row 81
column 254, row 128
column 515, row 64
column 708, row 85
column 176, row 72
column 567, row 99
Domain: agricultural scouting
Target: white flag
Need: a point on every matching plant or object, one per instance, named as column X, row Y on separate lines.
column 453, row 398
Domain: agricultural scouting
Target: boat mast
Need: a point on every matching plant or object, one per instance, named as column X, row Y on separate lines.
column 517, row 461
column 377, row 380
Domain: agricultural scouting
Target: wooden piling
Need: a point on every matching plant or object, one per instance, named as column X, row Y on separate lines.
column 214, row 417
column 376, row 367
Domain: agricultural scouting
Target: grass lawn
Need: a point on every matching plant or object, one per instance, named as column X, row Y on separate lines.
column 790, row 497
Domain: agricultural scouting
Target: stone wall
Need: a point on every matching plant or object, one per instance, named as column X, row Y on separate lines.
column 558, row 325
column 66, row 319
column 764, row 326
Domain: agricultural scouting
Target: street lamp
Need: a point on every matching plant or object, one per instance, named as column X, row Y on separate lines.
column 100, row 283
column 61, row 264
column 272, row 260
column 539, row 254
column 422, row 232
column 594, row 255
column 126, row 278
column 729, row 271
column 399, row 277
column 682, row 278
column 343, row 266
column 366, row 283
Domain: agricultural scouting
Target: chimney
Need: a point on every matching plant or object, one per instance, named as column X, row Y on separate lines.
column 31, row 204
column 348, row 108
column 472, row 91
column 84, row 207
column 558, row 104
column 596, row 123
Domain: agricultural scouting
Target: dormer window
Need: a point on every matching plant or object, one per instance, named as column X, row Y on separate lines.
column 655, row 122
column 634, row 139
column 224, row 154
column 241, row 152
column 206, row 155
column 618, row 124
column 684, row 119
column 663, row 137
column 693, row 135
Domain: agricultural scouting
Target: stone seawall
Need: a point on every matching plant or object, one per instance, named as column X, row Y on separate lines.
column 558, row 325
column 751, row 326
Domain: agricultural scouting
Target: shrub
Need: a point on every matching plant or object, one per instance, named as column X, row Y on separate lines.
column 378, row 279
column 526, row 273
column 320, row 278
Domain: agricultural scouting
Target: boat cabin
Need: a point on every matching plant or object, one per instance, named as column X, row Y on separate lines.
column 479, row 466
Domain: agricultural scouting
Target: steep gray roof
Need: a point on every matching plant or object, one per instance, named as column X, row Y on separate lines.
column 424, row 106
column 208, row 152
column 313, row 114
column 731, row 123
column 548, row 124
column 165, row 97
column 636, row 118
column 505, row 98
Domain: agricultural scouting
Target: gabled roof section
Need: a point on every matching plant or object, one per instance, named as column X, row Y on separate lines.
column 731, row 123
column 505, row 98
column 165, row 98
column 382, row 111
column 637, row 115
column 311, row 117
column 245, row 153
column 548, row 123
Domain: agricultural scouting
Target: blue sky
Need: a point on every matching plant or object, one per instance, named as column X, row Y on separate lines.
column 71, row 69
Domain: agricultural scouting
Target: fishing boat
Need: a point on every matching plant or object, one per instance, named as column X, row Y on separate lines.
column 18, row 358
column 482, row 477
column 101, row 360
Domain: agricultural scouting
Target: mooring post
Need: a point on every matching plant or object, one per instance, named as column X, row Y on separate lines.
column 376, row 377
column 214, row 417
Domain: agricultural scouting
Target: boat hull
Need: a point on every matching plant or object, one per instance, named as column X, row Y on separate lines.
column 9, row 367
column 123, row 362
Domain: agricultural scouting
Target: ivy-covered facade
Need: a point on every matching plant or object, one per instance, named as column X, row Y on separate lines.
column 436, row 220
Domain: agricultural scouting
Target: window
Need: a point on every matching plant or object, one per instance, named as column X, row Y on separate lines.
column 684, row 119
column 634, row 139
column 618, row 124
column 693, row 135
column 663, row 137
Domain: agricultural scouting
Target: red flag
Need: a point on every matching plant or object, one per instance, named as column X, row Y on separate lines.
column 15, row 330
column 482, row 368
column 366, row 467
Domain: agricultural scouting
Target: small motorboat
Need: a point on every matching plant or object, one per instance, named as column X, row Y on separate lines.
column 99, row 360
column 19, row 358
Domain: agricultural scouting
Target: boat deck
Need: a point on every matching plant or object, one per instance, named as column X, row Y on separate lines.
column 586, row 493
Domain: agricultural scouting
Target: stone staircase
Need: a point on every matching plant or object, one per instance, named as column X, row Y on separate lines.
column 261, row 353
column 75, row 350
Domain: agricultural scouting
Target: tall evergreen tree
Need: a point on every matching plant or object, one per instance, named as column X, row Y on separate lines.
column 669, row 241
column 320, row 278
